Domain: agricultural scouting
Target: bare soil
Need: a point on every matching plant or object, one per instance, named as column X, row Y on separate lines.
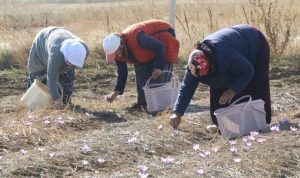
column 99, row 139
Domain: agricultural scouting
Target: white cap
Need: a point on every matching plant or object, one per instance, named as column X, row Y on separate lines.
column 74, row 52
column 111, row 43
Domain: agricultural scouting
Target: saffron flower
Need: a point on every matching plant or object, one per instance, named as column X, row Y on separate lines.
column 101, row 160
column 23, row 151
column 261, row 140
column 248, row 144
column 143, row 168
column 52, row 154
column 285, row 124
column 215, row 149
column 203, row 155
column 201, row 171
column 86, row 149
column 294, row 129
column 237, row 160
column 196, row 146
column 208, row 153
column 250, row 137
column 167, row 160
column 143, row 175
column 85, row 162
column 275, row 128
column 60, row 120
column 232, row 142
column 160, row 127
column 41, row 149
column 233, row 149
column 254, row 134
column 132, row 140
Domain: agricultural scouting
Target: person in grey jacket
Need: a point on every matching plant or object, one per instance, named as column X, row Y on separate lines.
column 55, row 53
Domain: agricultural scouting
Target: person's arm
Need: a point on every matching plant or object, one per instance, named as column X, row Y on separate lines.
column 243, row 71
column 186, row 92
column 122, row 77
column 121, row 81
column 153, row 44
column 54, row 64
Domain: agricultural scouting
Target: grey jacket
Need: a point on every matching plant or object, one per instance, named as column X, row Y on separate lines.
column 45, row 55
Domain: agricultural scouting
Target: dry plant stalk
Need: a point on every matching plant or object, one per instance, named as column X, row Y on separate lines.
column 276, row 18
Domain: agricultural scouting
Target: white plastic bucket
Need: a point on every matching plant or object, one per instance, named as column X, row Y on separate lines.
column 37, row 96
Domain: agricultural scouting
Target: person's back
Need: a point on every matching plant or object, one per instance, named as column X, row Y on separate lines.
column 55, row 53
column 243, row 38
column 47, row 42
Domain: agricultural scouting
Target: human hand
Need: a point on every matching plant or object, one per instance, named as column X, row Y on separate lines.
column 227, row 97
column 175, row 120
column 112, row 96
column 156, row 74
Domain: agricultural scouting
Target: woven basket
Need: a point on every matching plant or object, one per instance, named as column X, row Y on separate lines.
column 161, row 96
column 241, row 119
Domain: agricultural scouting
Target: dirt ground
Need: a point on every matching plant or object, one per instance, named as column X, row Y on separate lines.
column 100, row 139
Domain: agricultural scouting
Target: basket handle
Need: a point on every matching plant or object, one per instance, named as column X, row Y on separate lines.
column 241, row 98
column 174, row 78
column 58, row 84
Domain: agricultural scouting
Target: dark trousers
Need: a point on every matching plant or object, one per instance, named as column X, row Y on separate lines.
column 258, row 87
column 65, row 79
column 143, row 73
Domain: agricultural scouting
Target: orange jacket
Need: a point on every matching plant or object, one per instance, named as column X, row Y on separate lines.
column 157, row 29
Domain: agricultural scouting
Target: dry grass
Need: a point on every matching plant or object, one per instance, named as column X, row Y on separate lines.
column 92, row 22
column 126, row 137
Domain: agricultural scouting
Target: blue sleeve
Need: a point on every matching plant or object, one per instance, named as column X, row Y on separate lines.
column 243, row 71
column 153, row 44
column 122, row 76
column 187, row 91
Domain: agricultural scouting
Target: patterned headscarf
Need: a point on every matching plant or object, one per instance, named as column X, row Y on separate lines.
column 198, row 64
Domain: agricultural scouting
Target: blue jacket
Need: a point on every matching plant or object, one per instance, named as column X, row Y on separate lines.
column 235, row 50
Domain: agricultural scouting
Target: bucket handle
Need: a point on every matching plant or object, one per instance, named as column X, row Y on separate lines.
column 58, row 84
column 174, row 79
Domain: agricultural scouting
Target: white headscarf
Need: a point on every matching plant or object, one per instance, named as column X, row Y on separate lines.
column 74, row 52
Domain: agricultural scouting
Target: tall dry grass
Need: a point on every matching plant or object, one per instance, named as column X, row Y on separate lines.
column 20, row 21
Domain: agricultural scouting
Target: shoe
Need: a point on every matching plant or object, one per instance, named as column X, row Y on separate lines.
column 212, row 128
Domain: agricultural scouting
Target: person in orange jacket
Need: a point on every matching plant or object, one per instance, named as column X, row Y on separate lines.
column 151, row 46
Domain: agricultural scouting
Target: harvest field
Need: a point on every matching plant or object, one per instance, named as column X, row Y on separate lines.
column 100, row 139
